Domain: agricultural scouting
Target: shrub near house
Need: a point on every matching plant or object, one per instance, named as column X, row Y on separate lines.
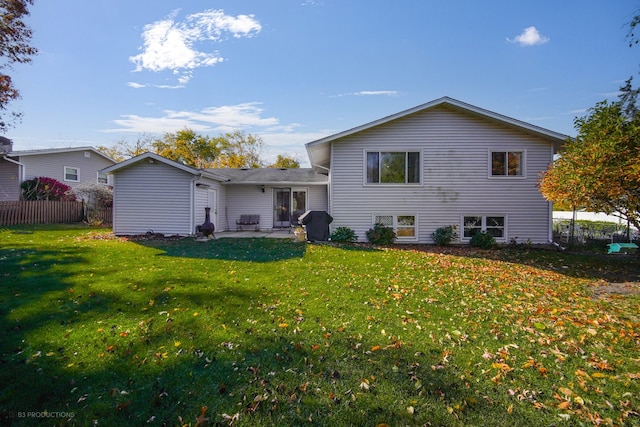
column 43, row 188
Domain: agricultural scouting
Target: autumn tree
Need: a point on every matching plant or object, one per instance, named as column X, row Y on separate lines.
column 230, row 150
column 124, row 149
column 283, row 161
column 600, row 169
column 189, row 148
column 239, row 150
column 15, row 37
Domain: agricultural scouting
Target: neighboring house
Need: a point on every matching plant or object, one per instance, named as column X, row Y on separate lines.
column 441, row 163
column 152, row 193
column 71, row 166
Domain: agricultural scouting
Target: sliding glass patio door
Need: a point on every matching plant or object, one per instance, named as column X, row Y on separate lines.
column 288, row 205
column 281, row 207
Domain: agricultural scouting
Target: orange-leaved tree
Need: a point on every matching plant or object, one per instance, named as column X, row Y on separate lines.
column 600, row 169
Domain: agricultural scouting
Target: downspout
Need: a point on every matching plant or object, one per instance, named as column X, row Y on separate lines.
column 192, row 204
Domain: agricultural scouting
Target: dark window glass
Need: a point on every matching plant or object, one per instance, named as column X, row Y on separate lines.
column 373, row 168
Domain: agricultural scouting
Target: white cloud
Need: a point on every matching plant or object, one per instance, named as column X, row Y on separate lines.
column 530, row 36
column 136, row 85
column 170, row 45
column 369, row 93
column 278, row 138
column 376, row 93
column 212, row 119
column 289, row 143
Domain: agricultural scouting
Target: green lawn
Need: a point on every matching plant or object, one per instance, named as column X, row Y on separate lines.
column 103, row 331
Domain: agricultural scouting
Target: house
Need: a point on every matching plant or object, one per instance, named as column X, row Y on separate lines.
column 152, row 193
column 71, row 166
column 439, row 164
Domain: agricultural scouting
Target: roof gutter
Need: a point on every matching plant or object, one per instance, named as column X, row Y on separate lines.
column 212, row 176
column 12, row 161
column 315, row 165
column 276, row 183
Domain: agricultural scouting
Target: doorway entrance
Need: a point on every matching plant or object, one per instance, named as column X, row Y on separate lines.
column 288, row 205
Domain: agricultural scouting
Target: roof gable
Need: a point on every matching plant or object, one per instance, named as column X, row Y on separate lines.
column 152, row 158
column 319, row 150
column 45, row 151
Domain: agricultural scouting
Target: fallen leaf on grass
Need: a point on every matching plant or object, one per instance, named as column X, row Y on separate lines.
column 201, row 419
column 565, row 391
column 502, row 367
column 122, row 406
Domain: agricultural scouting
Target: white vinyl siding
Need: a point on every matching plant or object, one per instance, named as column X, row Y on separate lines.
column 153, row 197
column 9, row 180
column 52, row 165
column 453, row 146
column 202, row 201
column 242, row 199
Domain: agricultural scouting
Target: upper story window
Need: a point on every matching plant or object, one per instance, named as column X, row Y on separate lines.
column 71, row 174
column 393, row 167
column 507, row 163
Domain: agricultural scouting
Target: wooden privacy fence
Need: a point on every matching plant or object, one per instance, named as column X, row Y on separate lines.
column 102, row 215
column 42, row 212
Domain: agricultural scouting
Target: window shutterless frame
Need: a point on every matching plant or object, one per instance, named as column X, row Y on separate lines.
column 71, row 174
column 392, row 167
column 506, row 163
column 404, row 225
column 102, row 178
column 496, row 225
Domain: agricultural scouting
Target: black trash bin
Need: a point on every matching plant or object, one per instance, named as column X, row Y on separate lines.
column 316, row 223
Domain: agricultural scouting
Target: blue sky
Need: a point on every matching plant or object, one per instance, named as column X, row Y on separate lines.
column 293, row 71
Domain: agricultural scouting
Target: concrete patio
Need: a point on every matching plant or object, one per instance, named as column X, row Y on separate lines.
column 245, row 234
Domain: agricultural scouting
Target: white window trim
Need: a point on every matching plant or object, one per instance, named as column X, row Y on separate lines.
column 484, row 226
column 507, row 150
column 392, row 150
column 395, row 216
column 98, row 178
column 64, row 171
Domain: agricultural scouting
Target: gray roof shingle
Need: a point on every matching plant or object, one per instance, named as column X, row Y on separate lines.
column 270, row 175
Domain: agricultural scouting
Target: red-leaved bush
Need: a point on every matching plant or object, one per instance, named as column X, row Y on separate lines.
column 43, row 188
